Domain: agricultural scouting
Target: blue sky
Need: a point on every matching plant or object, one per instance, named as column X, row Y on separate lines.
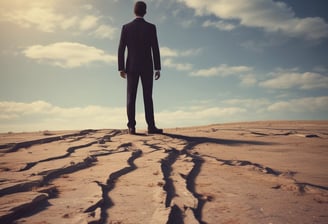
column 222, row 61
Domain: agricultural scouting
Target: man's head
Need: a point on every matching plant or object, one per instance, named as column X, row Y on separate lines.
column 140, row 8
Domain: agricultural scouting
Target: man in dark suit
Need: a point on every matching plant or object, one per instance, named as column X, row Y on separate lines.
column 140, row 38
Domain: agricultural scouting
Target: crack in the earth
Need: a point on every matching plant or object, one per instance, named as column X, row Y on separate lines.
column 71, row 150
column 47, row 176
column 176, row 213
column 190, row 180
column 175, row 216
column 53, row 174
column 302, row 187
column 14, row 147
column 29, row 207
column 105, row 203
column 260, row 167
column 40, row 203
column 166, row 166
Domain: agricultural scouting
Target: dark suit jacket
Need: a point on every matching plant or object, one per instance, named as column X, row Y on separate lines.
column 140, row 38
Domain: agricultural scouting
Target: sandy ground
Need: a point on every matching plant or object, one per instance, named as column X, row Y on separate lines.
column 258, row 172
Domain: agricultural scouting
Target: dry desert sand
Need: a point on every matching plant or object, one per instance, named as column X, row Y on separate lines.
column 256, row 172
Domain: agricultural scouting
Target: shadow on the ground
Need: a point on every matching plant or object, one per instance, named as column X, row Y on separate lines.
column 192, row 141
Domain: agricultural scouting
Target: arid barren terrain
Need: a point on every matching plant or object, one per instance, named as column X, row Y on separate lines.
column 256, row 172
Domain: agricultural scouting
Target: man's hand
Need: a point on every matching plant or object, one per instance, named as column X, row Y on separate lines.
column 157, row 75
column 123, row 74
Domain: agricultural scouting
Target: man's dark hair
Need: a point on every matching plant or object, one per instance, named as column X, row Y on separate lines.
column 140, row 8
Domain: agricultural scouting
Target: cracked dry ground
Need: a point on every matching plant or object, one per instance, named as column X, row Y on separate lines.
column 262, row 172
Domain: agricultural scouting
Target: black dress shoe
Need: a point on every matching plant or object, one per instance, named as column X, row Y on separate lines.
column 132, row 131
column 155, row 130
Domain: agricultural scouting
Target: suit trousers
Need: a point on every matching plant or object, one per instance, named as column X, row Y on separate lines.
column 147, row 87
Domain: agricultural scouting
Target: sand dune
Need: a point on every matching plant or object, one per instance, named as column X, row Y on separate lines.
column 256, row 172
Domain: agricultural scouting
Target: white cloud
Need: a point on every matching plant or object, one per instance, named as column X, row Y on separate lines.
column 198, row 115
column 40, row 115
column 221, row 25
column 53, row 15
column 222, row 70
column 68, row 22
column 191, row 52
column 308, row 104
column 256, row 108
column 248, row 80
column 44, row 19
column 187, row 23
column 320, row 69
column 17, row 109
column 104, row 32
column 251, row 103
column 286, row 80
column 68, row 54
column 272, row 16
column 259, row 46
column 178, row 66
column 88, row 22
column 87, row 6
column 169, row 52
